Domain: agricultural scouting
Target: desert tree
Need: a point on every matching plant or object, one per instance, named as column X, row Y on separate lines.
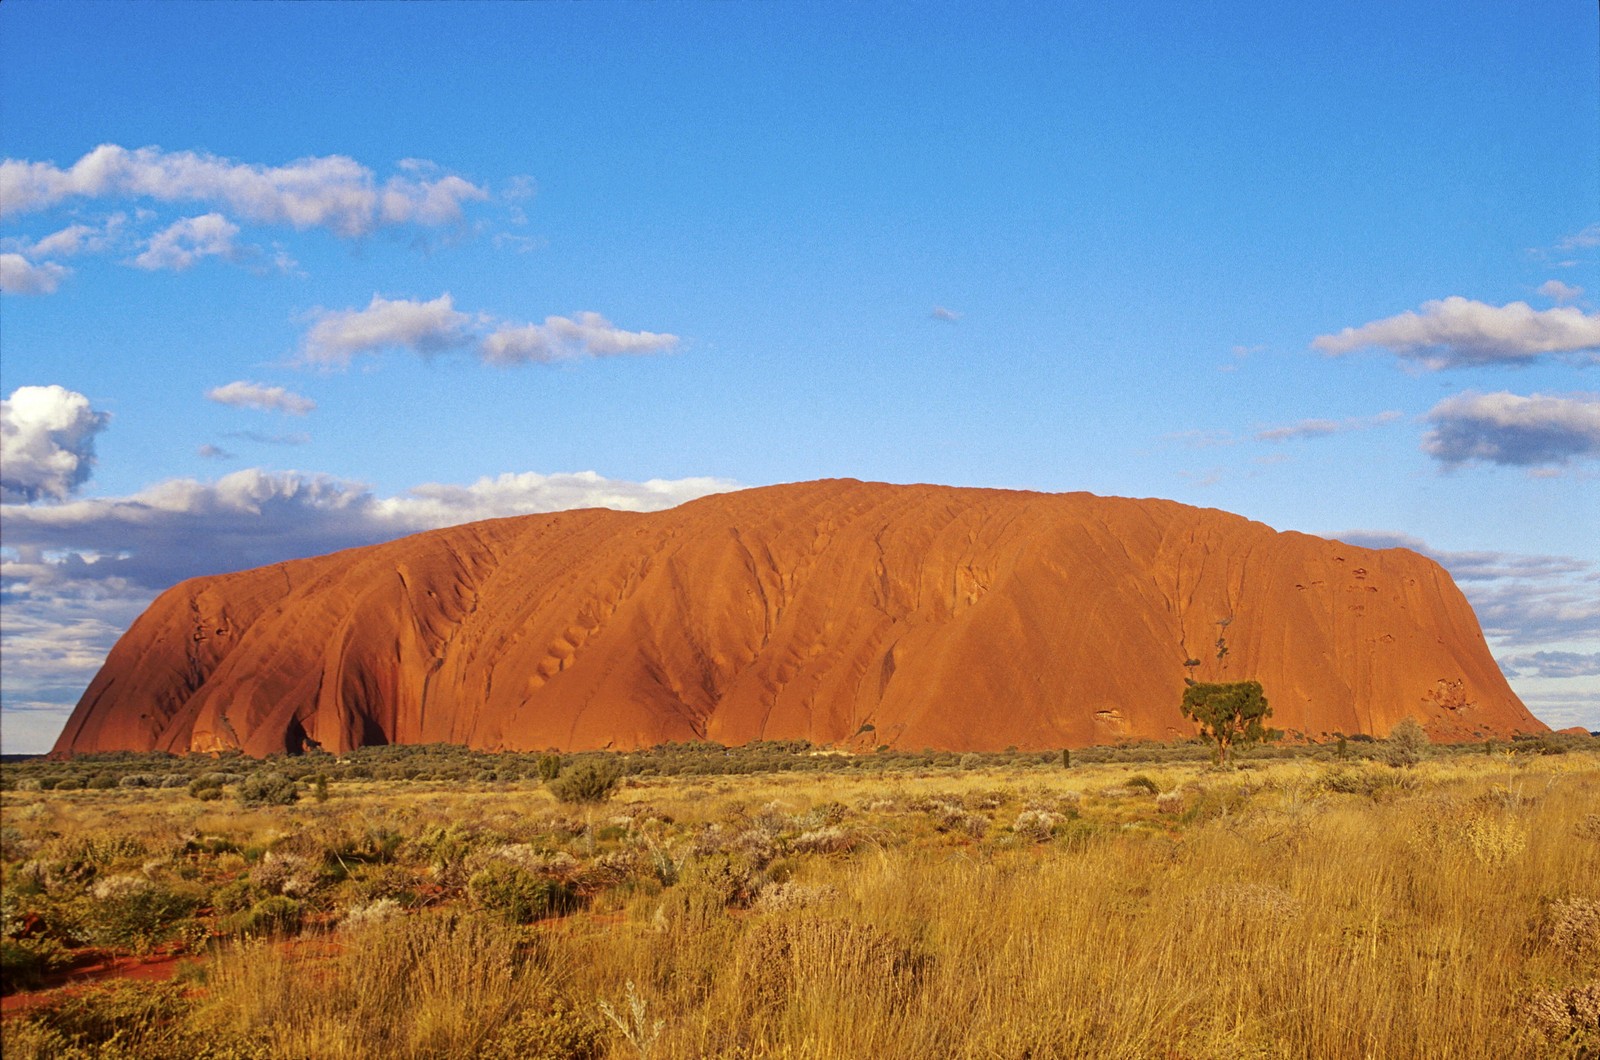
column 1230, row 714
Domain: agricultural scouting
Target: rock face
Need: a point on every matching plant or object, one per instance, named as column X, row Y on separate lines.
column 841, row 612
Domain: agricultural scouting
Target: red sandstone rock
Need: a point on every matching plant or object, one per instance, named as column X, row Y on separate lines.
column 839, row 611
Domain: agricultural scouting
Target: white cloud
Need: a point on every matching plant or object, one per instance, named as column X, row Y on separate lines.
column 1557, row 291
column 427, row 328
column 1316, row 428
column 1502, row 428
column 565, row 339
column 332, row 192
column 184, row 242
column 1581, row 240
column 941, row 313
column 18, row 275
column 251, row 517
column 431, row 505
column 262, row 438
column 214, row 452
column 1521, row 600
column 422, row 327
column 1458, row 332
column 1552, row 664
column 260, row 396
column 46, row 442
column 74, row 576
column 79, row 239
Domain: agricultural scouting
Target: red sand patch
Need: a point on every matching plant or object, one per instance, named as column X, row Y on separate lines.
column 91, row 966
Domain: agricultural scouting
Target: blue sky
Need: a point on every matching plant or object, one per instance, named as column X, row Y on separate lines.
column 280, row 278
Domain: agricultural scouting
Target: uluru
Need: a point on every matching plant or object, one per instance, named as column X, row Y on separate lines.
column 846, row 613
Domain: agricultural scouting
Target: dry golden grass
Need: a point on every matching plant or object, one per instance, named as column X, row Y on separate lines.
column 1295, row 909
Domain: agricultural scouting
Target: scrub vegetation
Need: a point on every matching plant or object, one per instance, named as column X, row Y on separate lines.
column 779, row 901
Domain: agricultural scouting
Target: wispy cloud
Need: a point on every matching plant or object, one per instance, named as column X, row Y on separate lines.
column 332, row 192
column 184, row 242
column 1582, row 239
column 948, row 315
column 46, row 443
column 568, row 339
column 79, row 238
column 1551, row 664
column 1522, row 600
column 427, row 328
column 18, row 275
column 1557, row 291
column 263, row 438
column 1318, row 428
column 241, row 394
column 1511, row 429
column 1458, row 332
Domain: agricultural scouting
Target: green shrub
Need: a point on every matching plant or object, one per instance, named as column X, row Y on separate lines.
column 129, row 1020
column 587, row 782
column 517, row 894
column 1140, row 782
column 277, row 915
column 131, row 912
column 25, row 963
column 551, row 1031
column 267, row 788
column 234, row 896
column 205, row 788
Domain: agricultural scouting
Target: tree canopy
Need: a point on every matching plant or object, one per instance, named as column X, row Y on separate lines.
column 1229, row 714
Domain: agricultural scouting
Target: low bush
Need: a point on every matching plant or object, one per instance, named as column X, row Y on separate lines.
column 1140, row 782
column 131, row 912
column 276, row 915
column 513, row 892
column 587, row 782
column 267, row 788
column 1407, row 744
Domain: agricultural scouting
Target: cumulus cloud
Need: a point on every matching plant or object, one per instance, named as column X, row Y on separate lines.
column 260, row 396
column 46, row 443
column 332, row 192
column 1557, row 291
column 1316, row 428
column 1457, row 332
column 565, row 339
column 421, row 327
column 1521, row 600
column 18, row 275
column 1510, row 429
column 184, row 242
column 428, row 328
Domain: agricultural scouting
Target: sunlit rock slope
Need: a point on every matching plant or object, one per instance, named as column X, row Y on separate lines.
column 841, row 612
